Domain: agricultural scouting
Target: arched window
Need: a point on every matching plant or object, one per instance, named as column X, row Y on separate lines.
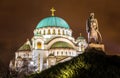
column 62, row 53
column 67, row 33
column 59, row 32
column 69, row 53
column 57, row 52
column 66, row 52
column 82, row 47
column 53, row 32
column 40, row 32
column 39, row 45
column 49, row 31
column 63, row 32
column 44, row 32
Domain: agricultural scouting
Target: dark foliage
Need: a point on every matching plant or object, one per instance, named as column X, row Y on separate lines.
column 4, row 72
column 91, row 64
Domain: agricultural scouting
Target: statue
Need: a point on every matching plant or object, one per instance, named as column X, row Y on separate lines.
column 92, row 29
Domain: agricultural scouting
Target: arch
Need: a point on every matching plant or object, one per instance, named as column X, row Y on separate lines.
column 39, row 45
column 63, row 32
column 53, row 32
column 48, row 32
column 60, row 40
column 43, row 32
column 59, row 32
column 40, row 32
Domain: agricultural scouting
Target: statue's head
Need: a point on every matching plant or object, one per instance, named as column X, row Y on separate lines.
column 92, row 15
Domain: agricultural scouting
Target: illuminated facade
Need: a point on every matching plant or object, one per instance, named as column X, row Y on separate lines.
column 52, row 43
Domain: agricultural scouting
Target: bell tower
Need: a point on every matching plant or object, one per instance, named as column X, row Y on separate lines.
column 38, row 52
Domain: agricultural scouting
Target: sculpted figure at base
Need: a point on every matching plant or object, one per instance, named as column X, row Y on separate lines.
column 92, row 30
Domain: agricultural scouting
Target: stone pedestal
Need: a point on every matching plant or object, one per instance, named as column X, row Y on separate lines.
column 97, row 46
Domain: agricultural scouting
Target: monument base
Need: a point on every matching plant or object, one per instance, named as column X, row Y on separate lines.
column 97, row 46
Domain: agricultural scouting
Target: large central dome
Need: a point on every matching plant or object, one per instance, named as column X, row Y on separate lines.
column 53, row 21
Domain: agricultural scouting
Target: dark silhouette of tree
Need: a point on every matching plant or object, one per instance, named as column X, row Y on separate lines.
column 25, row 70
column 91, row 64
column 4, row 72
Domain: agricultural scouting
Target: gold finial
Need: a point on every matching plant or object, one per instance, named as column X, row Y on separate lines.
column 52, row 10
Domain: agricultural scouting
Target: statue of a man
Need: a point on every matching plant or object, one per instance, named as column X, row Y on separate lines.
column 92, row 29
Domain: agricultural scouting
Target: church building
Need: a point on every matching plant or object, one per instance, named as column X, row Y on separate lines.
column 52, row 43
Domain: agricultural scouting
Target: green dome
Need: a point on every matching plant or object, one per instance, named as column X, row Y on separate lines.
column 61, row 44
column 53, row 21
column 80, row 38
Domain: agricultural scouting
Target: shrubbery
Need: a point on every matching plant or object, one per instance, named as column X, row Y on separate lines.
column 91, row 64
column 4, row 73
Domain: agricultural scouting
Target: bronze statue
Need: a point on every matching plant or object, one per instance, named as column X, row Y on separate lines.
column 93, row 30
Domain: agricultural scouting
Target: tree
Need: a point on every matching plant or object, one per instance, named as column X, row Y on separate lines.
column 91, row 64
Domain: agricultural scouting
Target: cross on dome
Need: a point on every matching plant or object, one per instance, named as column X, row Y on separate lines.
column 53, row 11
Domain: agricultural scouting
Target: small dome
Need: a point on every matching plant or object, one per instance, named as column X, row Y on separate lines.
column 80, row 37
column 53, row 21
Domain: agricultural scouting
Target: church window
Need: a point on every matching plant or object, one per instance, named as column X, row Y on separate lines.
column 39, row 45
column 53, row 31
column 40, row 32
column 67, row 33
column 66, row 52
column 59, row 32
column 63, row 32
column 44, row 32
column 48, row 31
column 62, row 52
column 57, row 53
column 82, row 47
column 70, row 53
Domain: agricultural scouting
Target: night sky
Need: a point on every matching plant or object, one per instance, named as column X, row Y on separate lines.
column 18, row 19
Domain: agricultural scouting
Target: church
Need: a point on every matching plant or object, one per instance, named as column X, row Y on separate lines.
column 52, row 43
